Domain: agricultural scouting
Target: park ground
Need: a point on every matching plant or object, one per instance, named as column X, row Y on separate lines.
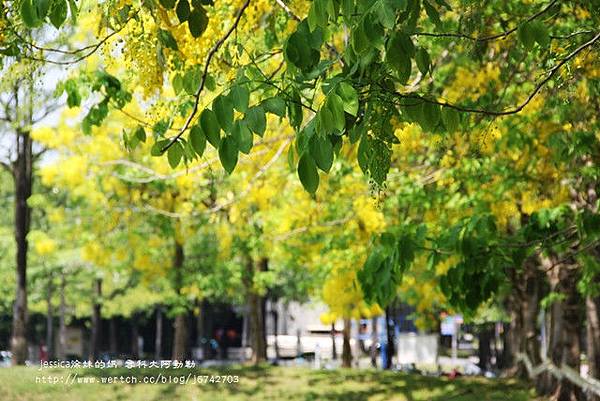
column 263, row 383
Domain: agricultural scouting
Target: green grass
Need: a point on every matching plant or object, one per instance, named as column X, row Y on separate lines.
column 263, row 383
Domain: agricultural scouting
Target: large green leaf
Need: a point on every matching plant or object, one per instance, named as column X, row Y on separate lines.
column 223, row 108
column 399, row 52
column 256, row 120
column 349, row 97
column 308, row 174
column 197, row 140
column 243, row 135
column 42, row 7
column 58, row 13
column 183, row 10
column 228, row 153
column 210, row 127
column 29, row 14
column 197, row 22
column 321, row 150
column 240, row 96
column 174, row 154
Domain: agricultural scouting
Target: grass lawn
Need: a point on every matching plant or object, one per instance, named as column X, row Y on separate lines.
column 265, row 383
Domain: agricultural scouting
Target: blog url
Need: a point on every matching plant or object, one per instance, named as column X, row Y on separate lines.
column 75, row 378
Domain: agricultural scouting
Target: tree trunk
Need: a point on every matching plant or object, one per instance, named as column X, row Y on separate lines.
column 135, row 334
column 346, row 350
column 389, row 325
column 159, row 331
column 22, row 173
column 62, row 328
column 180, row 338
column 112, row 328
column 96, row 317
column 50, row 319
column 256, row 310
column 566, row 318
column 276, row 332
column 333, row 346
column 374, row 340
column 592, row 307
column 485, row 349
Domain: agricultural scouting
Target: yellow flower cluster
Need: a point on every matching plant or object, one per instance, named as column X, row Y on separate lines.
column 472, row 84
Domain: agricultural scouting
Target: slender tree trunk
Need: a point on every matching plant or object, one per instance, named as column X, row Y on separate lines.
column 374, row 340
column 112, row 328
column 333, row 345
column 256, row 312
column 62, row 328
column 346, row 349
column 180, row 338
column 23, row 180
column 276, row 333
column 389, row 325
column 96, row 321
column 592, row 306
column 159, row 332
column 135, row 334
column 485, row 350
column 50, row 319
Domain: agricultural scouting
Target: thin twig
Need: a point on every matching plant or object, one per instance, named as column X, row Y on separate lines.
column 211, row 54
column 550, row 74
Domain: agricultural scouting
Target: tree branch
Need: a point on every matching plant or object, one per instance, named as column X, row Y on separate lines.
column 488, row 37
column 549, row 75
column 211, row 54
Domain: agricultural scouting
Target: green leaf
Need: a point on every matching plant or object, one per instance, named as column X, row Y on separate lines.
column 58, row 13
column 42, row 7
column 295, row 110
column 308, row 174
column 167, row 39
column 192, row 79
column 210, row 127
column 431, row 116
column 317, row 15
column 399, row 51
column 29, row 14
column 197, row 22
column 183, row 11
column 274, row 105
column 228, row 153
column 364, row 154
column 321, row 150
column 526, row 35
column 291, row 158
column 359, row 39
column 386, row 14
column 240, row 96
column 349, row 97
column 198, row 140
column 74, row 11
column 432, row 13
column 168, row 4
column 223, row 109
column 73, row 96
column 423, row 61
column 174, row 154
column 256, row 120
column 539, row 31
column 451, row 119
column 140, row 133
column 243, row 135
column 299, row 51
column 335, row 105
